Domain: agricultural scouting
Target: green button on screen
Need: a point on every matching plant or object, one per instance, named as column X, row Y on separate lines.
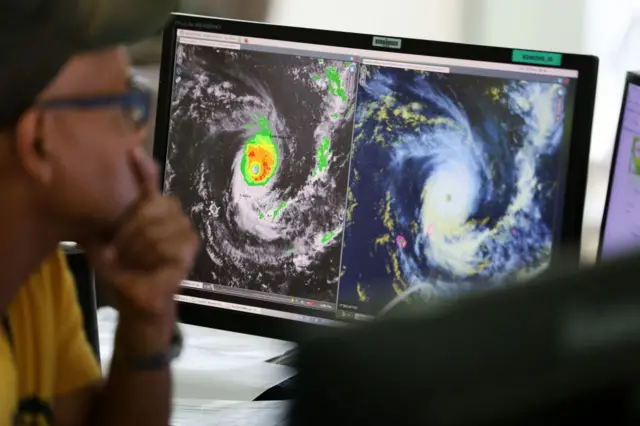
column 537, row 58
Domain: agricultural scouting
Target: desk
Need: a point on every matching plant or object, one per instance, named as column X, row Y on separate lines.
column 215, row 365
column 233, row 413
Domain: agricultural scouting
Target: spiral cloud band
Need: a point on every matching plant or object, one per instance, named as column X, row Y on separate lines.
column 463, row 170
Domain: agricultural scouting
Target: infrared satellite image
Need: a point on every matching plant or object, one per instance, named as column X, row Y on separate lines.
column 259, row 150
column 452, row 187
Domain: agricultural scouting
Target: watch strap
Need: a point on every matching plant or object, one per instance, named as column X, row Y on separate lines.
column 159, row 360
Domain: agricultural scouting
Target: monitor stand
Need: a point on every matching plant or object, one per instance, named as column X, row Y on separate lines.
column 283, row 390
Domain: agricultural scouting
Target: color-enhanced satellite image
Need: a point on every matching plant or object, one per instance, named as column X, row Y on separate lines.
column 453, row 184
column 258, row 153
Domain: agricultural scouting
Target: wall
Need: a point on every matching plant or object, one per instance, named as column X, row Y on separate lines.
column 612, row 32
column 428, row 19
column 539, row 24
column 252, row 10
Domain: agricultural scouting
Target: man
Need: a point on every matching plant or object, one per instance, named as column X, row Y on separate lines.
column 71, row 122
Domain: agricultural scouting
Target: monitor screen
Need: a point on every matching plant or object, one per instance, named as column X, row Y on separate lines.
column 330, row 183
column 621, row 227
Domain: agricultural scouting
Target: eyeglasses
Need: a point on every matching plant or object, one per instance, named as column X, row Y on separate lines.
column 135, row 104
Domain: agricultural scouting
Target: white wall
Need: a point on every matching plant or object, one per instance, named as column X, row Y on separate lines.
column 534, row 24
column 612, row 32
column 426, row 19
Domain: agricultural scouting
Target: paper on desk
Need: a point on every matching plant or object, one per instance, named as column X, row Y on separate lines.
column 215, row 364
column 230, row 413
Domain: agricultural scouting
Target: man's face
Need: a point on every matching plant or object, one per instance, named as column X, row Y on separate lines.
column 91, row 181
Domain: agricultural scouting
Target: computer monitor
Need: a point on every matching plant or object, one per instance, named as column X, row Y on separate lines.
column 620, row 231
column 331, row 174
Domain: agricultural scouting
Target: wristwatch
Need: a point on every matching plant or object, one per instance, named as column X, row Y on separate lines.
column 159, row 360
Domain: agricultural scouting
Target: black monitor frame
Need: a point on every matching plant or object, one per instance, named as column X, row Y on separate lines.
column 632, row 78
column 576, row 179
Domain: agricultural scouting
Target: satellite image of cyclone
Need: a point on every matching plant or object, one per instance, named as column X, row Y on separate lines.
column 453, row 185
column 259, row 150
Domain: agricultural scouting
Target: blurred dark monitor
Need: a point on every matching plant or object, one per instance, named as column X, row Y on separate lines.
column 86, row 292
column 620, row 230
column 560, row 351
column 331, row 175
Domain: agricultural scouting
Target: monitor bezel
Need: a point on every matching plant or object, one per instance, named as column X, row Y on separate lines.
column 632, row 78
column 576, row 179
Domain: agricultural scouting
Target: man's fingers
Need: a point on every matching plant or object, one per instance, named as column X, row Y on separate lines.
column 162, row 209
column 176, row 252
column 157, row 241
column 146, row 171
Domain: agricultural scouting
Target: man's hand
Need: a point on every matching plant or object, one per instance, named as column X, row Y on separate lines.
column 151, row 253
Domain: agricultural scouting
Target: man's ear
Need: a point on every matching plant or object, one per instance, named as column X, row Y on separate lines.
column 31, row 149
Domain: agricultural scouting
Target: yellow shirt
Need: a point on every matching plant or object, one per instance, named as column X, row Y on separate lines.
column 50, row 355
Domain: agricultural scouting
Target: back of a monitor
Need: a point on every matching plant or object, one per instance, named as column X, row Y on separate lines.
column 562, row 350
